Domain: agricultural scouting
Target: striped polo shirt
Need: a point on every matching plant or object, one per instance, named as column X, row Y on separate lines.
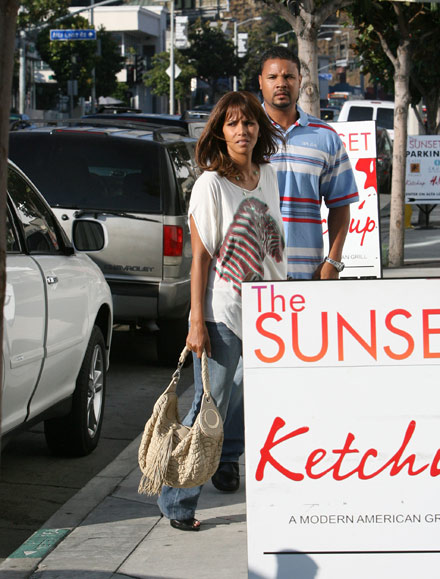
column 311, row 166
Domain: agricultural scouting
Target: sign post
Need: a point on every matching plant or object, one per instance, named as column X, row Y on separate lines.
column 64, row 34
column 342, row 413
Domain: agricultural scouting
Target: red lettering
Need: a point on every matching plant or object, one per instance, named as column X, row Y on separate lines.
column 273, row 297
column 427, row 331
column 355, row 227
column 271, row 336
column 324, row 339
column 297, row 299
column 370, row 348
column 259, row 290
column 399, row 332
column 435, row 470
column 395, row 464
column 394, row 460
column 352, row 141
column 270, row 443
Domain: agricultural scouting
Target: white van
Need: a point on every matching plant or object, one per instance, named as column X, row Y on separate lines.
column 363, row 110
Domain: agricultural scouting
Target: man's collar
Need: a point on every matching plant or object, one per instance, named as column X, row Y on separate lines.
column 303, row 119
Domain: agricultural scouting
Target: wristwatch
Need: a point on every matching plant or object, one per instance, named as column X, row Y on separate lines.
column 338, row 265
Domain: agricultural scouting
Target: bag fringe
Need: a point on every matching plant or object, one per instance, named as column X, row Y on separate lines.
column 153, row 476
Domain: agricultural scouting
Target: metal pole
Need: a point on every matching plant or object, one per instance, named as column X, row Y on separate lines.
column 172, row 57
column 93, row 89
column 22, row 73
column 235, row 80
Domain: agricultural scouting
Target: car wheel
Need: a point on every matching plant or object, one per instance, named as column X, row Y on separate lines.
column 78, row 433
column 171, row 339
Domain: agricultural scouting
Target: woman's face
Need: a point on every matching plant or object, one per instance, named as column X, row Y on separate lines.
column 241, row 134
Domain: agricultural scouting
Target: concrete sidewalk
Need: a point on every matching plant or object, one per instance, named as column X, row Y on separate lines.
column 108, row 530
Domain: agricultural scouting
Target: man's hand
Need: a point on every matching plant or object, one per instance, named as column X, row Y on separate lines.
column 326, row 271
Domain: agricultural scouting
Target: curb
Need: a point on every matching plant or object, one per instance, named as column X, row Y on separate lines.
column 25, row 560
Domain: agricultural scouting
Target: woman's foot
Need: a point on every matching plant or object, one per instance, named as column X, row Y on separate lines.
column 185, row 524
column 227, row 477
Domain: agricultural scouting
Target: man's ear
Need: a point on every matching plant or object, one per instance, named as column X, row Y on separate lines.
column 259, row 81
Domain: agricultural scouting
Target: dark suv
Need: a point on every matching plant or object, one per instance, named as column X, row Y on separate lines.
column 138, row 182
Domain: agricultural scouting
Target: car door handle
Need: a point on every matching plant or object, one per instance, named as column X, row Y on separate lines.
column 51, row 279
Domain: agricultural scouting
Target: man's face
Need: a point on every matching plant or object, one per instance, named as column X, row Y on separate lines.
column 280, row 82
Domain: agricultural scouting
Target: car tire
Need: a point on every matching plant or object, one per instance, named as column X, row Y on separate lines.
column 171, row 340
column 77, row 434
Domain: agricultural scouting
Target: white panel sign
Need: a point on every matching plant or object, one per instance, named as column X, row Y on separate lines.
column 242, row 46
column 362, row 253
column 342, row 413
column 181, row 34
column 423, row 169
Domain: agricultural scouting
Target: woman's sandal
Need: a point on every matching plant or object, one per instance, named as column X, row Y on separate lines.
column 186, row 524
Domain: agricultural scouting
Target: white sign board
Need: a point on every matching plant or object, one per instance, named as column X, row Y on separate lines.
column 242, row 46
column 342, row 414
column 362, row 251
column 423, row 169
column 181, row 34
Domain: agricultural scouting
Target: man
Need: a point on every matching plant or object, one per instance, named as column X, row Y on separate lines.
column 311, row 166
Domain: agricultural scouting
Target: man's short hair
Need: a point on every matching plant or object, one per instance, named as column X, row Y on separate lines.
column 281, row 52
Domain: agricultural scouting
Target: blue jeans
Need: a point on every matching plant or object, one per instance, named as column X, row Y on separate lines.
column 226, row 379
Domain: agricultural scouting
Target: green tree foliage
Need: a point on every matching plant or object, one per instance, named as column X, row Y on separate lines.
column 261, row 36
column 159, row 81
column 305, row 18
column 35, row 13
column 212, row 53
column 376, row 20
column 76, row 59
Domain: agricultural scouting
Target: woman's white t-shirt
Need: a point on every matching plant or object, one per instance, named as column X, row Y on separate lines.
column 243, row 233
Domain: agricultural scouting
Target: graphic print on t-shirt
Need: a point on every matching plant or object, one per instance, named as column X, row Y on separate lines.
column 252, row 235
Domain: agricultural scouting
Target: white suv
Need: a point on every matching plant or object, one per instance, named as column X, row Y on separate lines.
column 363, row 110
column 58, row 315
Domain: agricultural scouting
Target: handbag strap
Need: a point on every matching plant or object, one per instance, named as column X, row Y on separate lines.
column 205, row 373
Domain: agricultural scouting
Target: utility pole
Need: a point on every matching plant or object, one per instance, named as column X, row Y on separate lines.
column 93, row 90
column 172, row 71
column 22, row 73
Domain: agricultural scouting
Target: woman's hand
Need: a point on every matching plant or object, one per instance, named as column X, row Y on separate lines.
column 198, row 339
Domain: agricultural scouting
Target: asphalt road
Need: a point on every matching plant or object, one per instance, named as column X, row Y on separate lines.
column 34, row 484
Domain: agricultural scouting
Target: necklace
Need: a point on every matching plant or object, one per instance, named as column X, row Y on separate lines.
column 254, row 172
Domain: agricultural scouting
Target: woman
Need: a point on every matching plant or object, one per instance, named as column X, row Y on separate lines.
column 236, row 235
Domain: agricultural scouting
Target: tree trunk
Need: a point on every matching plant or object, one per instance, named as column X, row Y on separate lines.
column 432, row 102
column 309, row 95
column 401, row 103
column 8, row 18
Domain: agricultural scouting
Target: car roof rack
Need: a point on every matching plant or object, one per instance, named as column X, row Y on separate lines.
column 158, row 131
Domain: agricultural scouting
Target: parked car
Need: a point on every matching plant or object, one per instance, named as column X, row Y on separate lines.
column 368, row 110
column 18, row 121
column 384, row 152
column 138, row 182
column 329, row 114
column 57, row 325
column 193, row 125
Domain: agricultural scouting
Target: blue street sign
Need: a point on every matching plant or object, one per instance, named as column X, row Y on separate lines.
column 86, row 34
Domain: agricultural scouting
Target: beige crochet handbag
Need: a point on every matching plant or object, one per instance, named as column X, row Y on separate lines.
column 176, row 455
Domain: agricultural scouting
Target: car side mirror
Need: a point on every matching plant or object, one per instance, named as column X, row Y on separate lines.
column 88, row 235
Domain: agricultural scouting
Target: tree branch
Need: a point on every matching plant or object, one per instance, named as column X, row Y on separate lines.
column 387, row 50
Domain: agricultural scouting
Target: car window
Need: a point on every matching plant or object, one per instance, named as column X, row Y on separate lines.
column 360, row 114
column 12, row 244
column 385, row 118
column 38, row 224
column 86, row 171
column 182, row 157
